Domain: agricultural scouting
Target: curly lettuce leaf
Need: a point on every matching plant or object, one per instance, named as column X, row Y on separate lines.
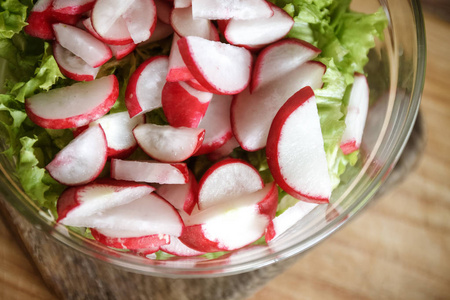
column 12, row 17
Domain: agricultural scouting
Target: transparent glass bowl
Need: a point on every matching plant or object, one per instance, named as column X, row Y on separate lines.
column 396, row 76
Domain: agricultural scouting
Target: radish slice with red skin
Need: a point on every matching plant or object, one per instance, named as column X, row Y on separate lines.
column 106, row 12
column 81, row 202
column 252, row 113
column 73, row 106
column 82, row 160
column 140, row 19
column 162, row 31
column 178, row 70
column 72, row 66
column 216, row 123
column 182, row 3
column 72, row 7
column 149, row 171
column 108, row 237
column 196, row 85
column 225, row 70
column 143, row 92
column 358, row 106
column 147, row 215
column 272, row 64
column 229, row 178
column 295, row 151
column 167, row 143
column 185, row 25
column 40, row 19
column 120, row 51
column 224, row 150
column 183, row 105
column 81, row 43
column 176, row 247
column 256, row 33
column 163, row 10
column 231, row 9
column 182, row 196
column 118, row 34
column 65, row 18
column 232, row 224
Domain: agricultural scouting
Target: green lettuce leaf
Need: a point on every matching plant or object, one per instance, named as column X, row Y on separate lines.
column 12, row 17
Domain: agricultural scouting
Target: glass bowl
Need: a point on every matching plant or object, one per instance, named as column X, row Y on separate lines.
column 396, row 77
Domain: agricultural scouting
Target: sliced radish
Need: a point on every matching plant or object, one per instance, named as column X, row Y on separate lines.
column 129, row 239
column 72, row 66
column 181, row 196
column 228, row 9
column 120, row 51
column 141, row 18
column 147, row 215
column 258, row 32
column 163, row 10
column 149, row 171
column 82, row 202
column 118, row 34
column 176, row 247
column 167, row 143
column 82, row 160
column 162, row 31
column 75, row 105
column 295, row 151
column 81, row 43
column 184, row 106
column 279, row 59
column 177, row 68
column 65, row 18
column 72, row 7
column 144, row 88
column 227, row 179
column 182, row 3
column 106, row 12
column 118, row 130
column 224, row 150
column 216, row 124
column 185, row 25
column 224, row 70
column 232, row 224
column 40, row 19
column 355, row 120
column 196, row 85
column 252, row 113
column 288, row 218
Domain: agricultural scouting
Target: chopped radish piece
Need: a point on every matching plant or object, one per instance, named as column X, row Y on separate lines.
column 224, row 70
column 120, row 51
column 232, row 224
column 196, row 85
column 131, row 240
column 82, row 44
column 256, row 33
column 144, row 88
column 288, row 219
column 177, row 68
column 163, row 10
column 72, row 66
column 65, row 18
column 185, row 25
column 183, row 105
column 84, row 201
column 167, row 143
column 82, row 160
column 295, row 151
column 176, row 247
column 73, row 106
column 181, row 196
column 229, row 178
column 72, row 7
column 106, row 12
column 252, row 113
column 231, row 9
column 272, row 62
column 141, row 18
column 149, row 171
column 39, row 20
column 118, row 34
column 147, row 215
column 118, row 130
column 216, row 124
column 162, row 31
column 355, row 120
column 224, row 150
column 182, row 3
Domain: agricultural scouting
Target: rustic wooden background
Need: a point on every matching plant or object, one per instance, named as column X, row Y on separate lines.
column 399, row 248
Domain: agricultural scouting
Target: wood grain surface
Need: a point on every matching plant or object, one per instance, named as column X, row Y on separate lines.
column 398, row 248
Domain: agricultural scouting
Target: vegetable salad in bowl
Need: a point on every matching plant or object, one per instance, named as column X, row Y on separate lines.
column 183, row 128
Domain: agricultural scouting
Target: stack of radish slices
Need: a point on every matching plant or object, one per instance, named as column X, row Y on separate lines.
column 216, row 97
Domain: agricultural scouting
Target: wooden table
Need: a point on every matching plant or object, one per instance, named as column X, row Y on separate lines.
column 399, row 248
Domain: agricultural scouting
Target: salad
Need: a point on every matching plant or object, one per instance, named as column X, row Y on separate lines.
column 183, row 127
